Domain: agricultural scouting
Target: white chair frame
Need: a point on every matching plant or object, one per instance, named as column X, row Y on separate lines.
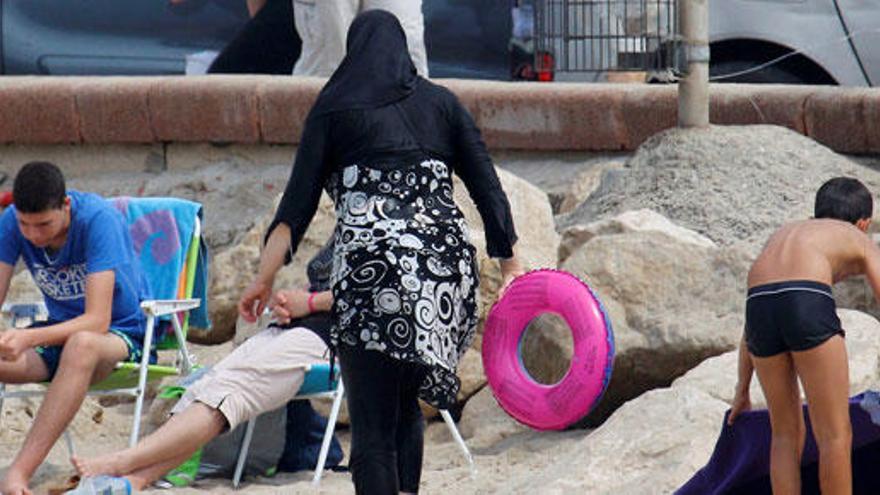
column 337, row 396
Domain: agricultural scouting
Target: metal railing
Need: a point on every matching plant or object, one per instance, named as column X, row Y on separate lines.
column 606, row 35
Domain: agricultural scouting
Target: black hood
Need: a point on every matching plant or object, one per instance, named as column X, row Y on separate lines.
column 377, row 69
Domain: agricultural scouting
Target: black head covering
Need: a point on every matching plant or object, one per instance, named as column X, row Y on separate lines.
column 376, row 70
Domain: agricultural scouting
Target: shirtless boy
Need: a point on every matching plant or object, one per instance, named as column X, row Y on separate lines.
column 792, row 332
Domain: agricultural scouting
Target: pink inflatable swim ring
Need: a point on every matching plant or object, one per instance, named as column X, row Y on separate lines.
column 557, row 406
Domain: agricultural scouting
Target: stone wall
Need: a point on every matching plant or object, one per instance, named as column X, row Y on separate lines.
column 513, row 116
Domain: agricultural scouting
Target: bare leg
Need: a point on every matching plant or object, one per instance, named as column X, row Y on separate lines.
column 87, row 357
column 779, row 382
column 179, row 437
column 28, row 368
column 825, row 375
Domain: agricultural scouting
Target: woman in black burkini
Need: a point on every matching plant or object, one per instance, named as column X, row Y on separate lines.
column 383, row 141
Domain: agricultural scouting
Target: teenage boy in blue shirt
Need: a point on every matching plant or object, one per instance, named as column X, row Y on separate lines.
column 79, row 251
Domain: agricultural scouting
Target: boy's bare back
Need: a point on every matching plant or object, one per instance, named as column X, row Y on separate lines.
column 822, row 250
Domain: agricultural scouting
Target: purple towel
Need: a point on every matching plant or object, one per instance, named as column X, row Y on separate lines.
column 741, row 460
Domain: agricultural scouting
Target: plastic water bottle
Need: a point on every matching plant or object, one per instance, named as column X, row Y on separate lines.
column 102, row 485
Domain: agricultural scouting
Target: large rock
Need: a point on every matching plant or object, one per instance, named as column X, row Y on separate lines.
column 734, row 185
column 674, row 299
column 536, row 248
column 567, row 177
column 656, row 442
column 630, row 221
column 538, row 240
column 717, row 376
column 233, row 269
column 581, row 186
column 650, row 445
column 857, row 293
column 234, row 189
column 484, row 423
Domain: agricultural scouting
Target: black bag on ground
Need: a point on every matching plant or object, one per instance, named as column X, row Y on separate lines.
column 305, row 431
column 220, row 455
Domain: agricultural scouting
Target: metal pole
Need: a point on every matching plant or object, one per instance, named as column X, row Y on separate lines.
column 693, row 89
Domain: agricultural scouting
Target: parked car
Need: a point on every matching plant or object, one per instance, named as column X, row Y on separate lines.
column 822, row 41
column 464, row 38
column 102, row 37
column 485, row 39
column 746, row 33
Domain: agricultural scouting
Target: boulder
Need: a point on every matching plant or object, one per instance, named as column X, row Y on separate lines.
column 650, row 445
column 536, row 248
column 733, row 184
column 233, row 269
column 717, row 376
column 533, row 219
column 582, row 186
column 857, row 293
column 630, row 221
column 483, row 422
column 674, row 299
column 657, row 441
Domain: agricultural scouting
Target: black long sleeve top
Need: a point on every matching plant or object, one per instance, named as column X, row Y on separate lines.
column 436, row 124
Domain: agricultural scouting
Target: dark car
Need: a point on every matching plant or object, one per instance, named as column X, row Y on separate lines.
column 99, row 37
column 463, row 38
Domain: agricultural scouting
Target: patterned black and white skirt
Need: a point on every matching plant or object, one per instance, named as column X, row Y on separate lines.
column 404, row 276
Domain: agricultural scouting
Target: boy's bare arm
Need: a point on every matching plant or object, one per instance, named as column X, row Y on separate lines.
column 872, row 265
column 745, row 368
column 96, row 318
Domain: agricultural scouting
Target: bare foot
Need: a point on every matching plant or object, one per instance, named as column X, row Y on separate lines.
column 14, row 484
column 138, row 483
column 111, row 464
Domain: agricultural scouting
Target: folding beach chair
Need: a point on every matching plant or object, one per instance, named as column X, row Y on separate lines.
column 317, row 385
column 167, row 239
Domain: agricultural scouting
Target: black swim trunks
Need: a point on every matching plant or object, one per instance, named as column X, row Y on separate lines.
column 790, row 316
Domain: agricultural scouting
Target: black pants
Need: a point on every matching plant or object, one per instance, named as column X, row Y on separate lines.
column 387, row 427
column 267, row 44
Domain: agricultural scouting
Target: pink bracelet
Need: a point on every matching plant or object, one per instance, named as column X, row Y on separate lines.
column 311, row 302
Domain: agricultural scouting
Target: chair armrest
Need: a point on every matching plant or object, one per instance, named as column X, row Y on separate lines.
column 164, row 307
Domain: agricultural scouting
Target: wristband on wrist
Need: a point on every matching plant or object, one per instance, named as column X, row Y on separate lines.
column 311, row 301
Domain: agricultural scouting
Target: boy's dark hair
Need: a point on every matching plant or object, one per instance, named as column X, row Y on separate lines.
column 844, row 198
column 38, row 187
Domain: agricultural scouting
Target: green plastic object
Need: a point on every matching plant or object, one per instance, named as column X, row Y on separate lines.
column 126, row 376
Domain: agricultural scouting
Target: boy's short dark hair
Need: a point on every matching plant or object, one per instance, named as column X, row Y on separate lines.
column 844, row 198
column 38, row 187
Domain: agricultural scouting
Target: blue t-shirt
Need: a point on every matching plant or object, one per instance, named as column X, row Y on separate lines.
column 97, row 240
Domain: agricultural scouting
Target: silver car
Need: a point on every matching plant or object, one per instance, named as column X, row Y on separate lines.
column 831, row 41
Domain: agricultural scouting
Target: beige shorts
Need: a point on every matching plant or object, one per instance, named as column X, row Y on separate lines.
column 262, row 374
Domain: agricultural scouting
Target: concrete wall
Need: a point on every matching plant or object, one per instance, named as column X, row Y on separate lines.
column 157, row 122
